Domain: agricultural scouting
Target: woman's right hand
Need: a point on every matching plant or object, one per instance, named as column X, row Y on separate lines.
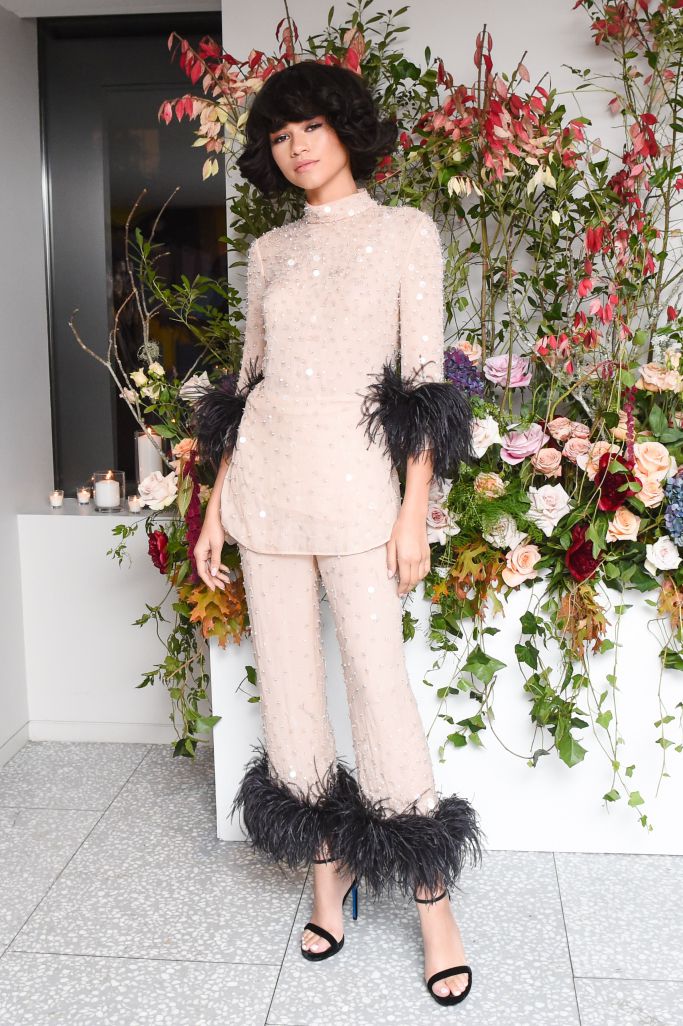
column 207, row 552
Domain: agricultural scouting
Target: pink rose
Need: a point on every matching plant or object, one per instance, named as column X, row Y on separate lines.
column 440, row 524
column 623, row 526
column 560, row 428
column 652, row 460
column 517, row 445
column 548, row 462
column 575, row 447
column 496, row 370
column 520, row 565
column 651, row 494
column 591, row 461
column 580, row 430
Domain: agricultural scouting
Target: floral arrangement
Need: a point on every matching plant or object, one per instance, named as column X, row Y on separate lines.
column 563, row 296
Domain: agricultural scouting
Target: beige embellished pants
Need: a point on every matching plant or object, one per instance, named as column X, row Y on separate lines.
column 390, row 748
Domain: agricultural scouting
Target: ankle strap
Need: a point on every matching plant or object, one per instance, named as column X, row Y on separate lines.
column 430, row 901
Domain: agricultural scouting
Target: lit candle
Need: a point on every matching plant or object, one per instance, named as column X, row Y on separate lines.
column 107, row 492
column 149, row 456
column 57, row 498
column 83, row 495
column 134, row 504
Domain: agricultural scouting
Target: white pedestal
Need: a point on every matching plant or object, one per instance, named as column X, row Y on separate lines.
column 549, row 808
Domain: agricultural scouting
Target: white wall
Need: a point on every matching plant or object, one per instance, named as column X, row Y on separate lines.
column 25, row 431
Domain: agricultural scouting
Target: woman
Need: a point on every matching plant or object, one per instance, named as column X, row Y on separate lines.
column 310, row 446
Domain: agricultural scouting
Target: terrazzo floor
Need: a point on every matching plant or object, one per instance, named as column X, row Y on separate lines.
column 119, row 906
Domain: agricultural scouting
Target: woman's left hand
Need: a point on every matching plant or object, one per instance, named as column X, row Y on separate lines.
column 408, row 551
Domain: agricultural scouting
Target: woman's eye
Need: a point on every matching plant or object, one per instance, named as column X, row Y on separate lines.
column 277, row 138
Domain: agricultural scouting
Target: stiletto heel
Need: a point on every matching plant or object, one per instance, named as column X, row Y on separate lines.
column 451, row 999
column 335, row 945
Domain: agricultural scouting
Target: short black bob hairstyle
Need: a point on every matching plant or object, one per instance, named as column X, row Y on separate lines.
column 303, row 91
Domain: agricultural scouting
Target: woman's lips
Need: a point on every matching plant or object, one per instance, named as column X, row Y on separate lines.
column 305, row 165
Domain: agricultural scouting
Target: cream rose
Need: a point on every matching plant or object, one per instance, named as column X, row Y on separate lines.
column 575, row 447
column 489, row 485
column 547, row 461
column 560, row 428
column 504, row 534
column 485, row 432
column 520, row 565
column 440, row 524
column 652, row 460
column 157, row 491
column 156, row 370
column 139, row 378
column 549, row 504
column 663, row 555
column 623, row 526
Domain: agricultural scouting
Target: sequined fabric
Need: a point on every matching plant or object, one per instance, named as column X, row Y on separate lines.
column 330, row 297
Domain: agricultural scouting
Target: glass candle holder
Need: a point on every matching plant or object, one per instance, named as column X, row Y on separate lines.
column 83, row 494
column 57, row 498
column 134, row 504
column 109, row 489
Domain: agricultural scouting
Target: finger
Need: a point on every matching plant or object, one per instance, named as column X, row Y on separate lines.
column 391, row 558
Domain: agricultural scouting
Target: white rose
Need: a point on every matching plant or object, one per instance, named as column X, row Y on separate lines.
column 130, row 395
column 151, row 391
column 549, row 504
column 191, row 389
column 157, row 491
column 440, row 524
column 439, row 490
column 485, row 432
column 156, row 370
column 663, row 555
column 504, row 534
column 139, row 378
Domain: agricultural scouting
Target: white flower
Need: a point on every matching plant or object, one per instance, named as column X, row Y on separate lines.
column 504, row 534
column 156, row 370
column 157, row 491
column 191, row 389
column 151, row 391
column 485, row 432
column 129, row 394
column 543, row 176
column 549, row 504
column 439, row 490
column 440, row 524
column 663, row 555
column 138, row 378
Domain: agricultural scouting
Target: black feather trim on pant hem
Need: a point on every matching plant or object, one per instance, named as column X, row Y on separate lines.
column 287, row 826
column 217, row 413
column 415, row 416
column 402, row 852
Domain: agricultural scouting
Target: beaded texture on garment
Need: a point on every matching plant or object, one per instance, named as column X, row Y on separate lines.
column 330, row 298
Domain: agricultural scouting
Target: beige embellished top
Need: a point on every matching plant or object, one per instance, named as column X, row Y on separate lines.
column 332, row 298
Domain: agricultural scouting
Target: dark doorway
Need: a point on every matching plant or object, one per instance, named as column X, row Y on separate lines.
column 102, row 81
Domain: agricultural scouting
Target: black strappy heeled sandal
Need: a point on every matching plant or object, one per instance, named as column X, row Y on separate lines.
column 451, row 999
column 335, row 945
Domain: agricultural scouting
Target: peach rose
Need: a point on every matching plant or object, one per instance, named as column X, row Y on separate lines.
column 520, row 565
column 652, row 460
column 560, row 428
column 547, row 461
column 472, row 350
column 619, row 432
column 655, row 378
column 623, row 526
column 185, row 447
column 580, row 430
column 575, row 447
column 651, row 494
column 489, row 485
column 591, row 460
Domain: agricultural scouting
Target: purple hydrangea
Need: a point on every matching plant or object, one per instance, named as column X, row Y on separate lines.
column 459, row 369
column 673, row 515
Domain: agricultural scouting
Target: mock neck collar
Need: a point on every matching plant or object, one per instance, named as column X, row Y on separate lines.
column 346, row 207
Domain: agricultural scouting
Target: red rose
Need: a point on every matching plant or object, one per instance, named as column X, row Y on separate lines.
column 611, row 497
column 579, row 556
column 158, row 550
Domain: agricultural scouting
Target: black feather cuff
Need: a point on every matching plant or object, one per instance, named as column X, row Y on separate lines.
column 416, row 416
column 407, row 850
column 288, row 827
column 217, row 413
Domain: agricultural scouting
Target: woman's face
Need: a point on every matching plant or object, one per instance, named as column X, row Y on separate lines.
column 309, row 153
